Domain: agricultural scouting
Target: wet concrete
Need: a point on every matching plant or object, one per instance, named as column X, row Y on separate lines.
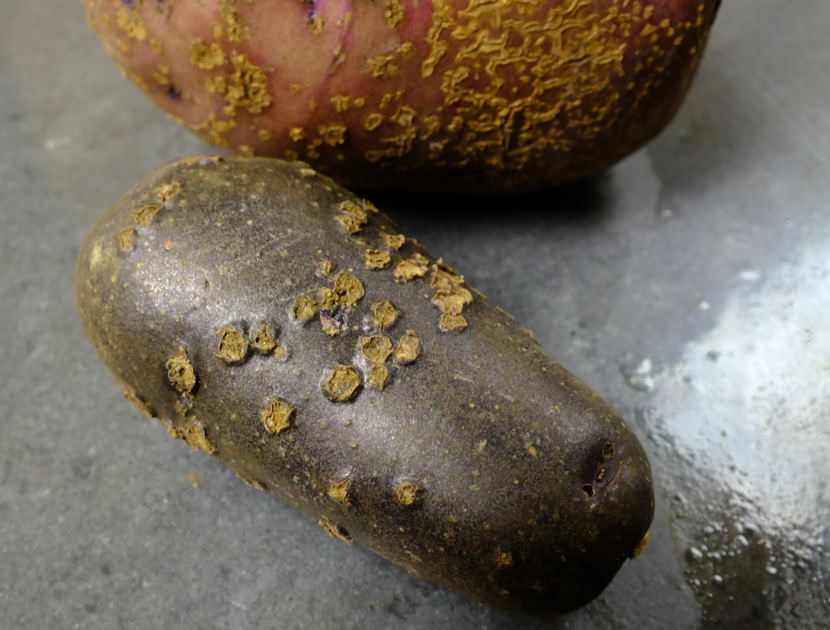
column 690, row 285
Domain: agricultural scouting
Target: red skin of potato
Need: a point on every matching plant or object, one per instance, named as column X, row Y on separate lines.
column 482, row 95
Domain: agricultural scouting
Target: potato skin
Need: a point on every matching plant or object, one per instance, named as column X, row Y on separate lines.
column 481, row 464
column 462, row 95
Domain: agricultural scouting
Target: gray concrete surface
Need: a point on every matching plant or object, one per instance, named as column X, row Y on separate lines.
column 690, row 285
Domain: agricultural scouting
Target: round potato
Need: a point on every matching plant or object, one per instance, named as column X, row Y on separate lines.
column 459, row 94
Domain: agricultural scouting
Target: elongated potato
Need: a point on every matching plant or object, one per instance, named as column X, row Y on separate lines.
column 271, row 318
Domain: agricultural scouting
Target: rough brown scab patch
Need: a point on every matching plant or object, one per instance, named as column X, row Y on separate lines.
column 207, row 57
column 264, row 339
column 373, row 121
column 453, row 303
column 304, row 308
column 246, row 87
column 407, row 493
column 334, row 530
column 410, row 268
column 377, row 259
column 451, row 323
column 316, row 24
column 408, row 348
column 537, row 85
column 376, row 348
column 232, row 347
column 451, row 296
column 180, row 372
column 167, row 192
column 394, row 241
column 139, row 403
column 379, row 376
column 348, row 290
column 339, row 490
column 277, row 415
column 342, row 384
column 126, row 239
column 333, row 322
column 232, row 24
column 384, row 314
column 351, row 216
column 393, row 12
column 131, row 24
column 344, row 292
column 144, row 215
column 192, row 431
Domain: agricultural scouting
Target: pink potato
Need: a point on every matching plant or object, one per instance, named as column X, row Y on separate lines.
column 482, row 95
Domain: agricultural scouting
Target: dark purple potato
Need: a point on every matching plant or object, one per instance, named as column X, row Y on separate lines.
column 273, row 319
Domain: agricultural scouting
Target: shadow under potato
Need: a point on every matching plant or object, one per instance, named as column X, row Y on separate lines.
column 581, row 202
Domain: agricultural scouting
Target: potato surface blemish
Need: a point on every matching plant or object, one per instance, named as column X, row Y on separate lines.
column 408, row 348
column 342, row 383
column 233, row 345
column 180, row 372
column 385, row 314
column 407, row 493
column 305, row 307
column 339, row 491
column 277, row 416
column 379, row 376
column 377, row 348
column 264, row 340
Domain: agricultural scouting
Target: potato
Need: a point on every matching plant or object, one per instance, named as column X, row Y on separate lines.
column 459, row 94
column 273, row 319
